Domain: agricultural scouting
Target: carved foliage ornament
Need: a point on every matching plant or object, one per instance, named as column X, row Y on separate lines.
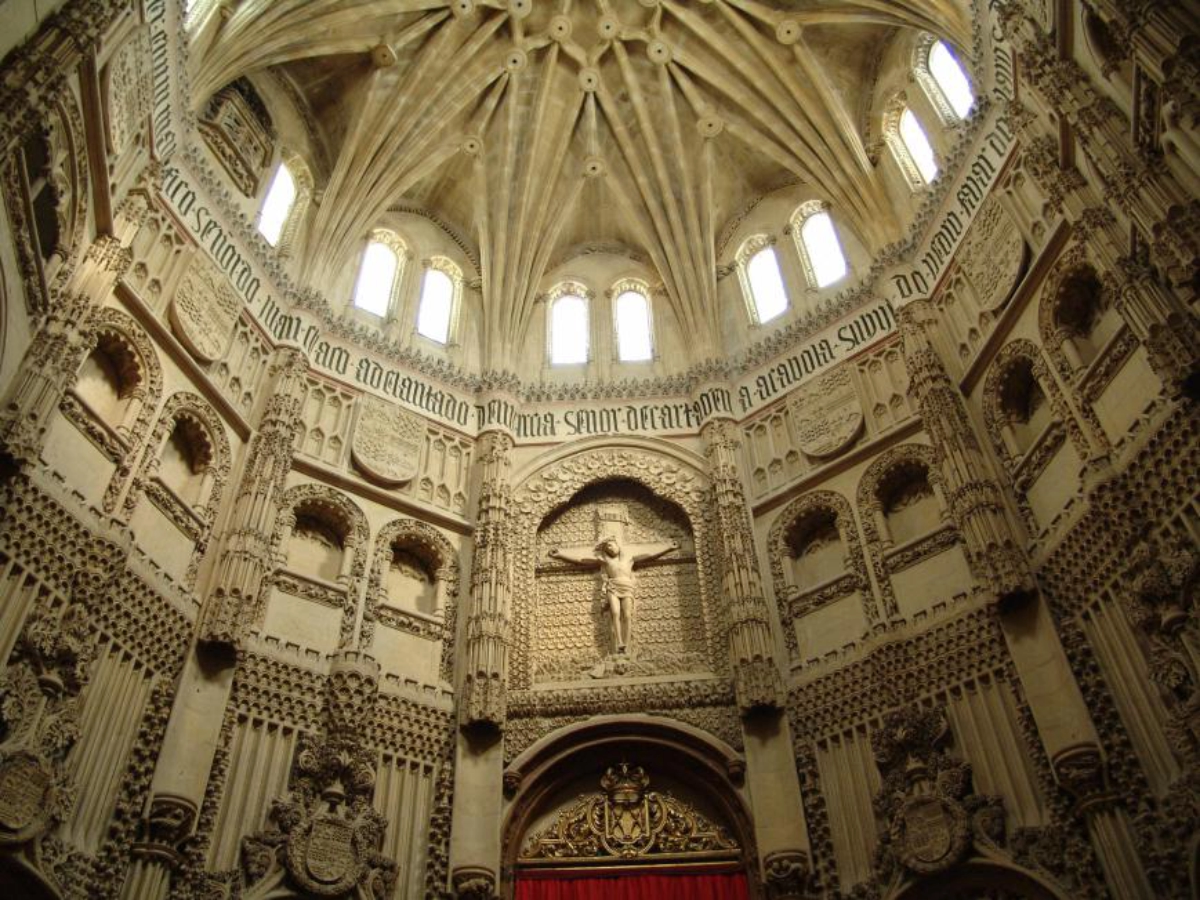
column 387, row 441
column 626, row 821
column 926, row 799
column 325, row 835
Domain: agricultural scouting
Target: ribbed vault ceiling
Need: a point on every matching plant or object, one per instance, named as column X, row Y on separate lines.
column 540, row 126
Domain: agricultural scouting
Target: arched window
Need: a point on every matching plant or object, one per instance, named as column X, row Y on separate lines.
column 277, row 207
column 762, row 280
column 917, row 145
column 950, row 79
column 631, row 320
column 377, row 276
column 440, row 290
column 818, row 245
column 938, row 70
column 569, row 326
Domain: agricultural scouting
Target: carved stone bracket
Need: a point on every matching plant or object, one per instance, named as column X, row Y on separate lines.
column 788, row 875
column 474, row 883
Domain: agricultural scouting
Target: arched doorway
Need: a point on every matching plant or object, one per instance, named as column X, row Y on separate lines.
column 980, row 879
column 628, row 808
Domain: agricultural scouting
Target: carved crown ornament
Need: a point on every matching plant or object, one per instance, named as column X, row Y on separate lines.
column 627, row 822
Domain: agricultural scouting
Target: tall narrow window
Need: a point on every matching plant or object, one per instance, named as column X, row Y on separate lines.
column 569, row 330
column 437, row 305
column 376, row 279
column 281, row 196
column 820, row 249
column 950, row 78
column 765, row 283
column 917, row 145
column 633, row 326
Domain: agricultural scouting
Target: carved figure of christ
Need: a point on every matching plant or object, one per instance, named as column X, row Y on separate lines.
column 616, row 560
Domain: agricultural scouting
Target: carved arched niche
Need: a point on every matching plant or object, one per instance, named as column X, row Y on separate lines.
column 1025, row 415
column 320, row 551
column 679, row 626
column 413, row 588
column 46, row 194
column 1076, row 317
column 115, row 394
column 184, row 470
column 905, row 520
column 552, row 780
column 817, row 561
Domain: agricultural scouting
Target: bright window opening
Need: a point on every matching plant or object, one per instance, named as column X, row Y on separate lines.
column 633, row 327
column 917, row 145
column 437, row 300
column 569, row 330
column 281, row 195
column 951, row 79
column 823, row 249
column 766, row 284
column 376, row 278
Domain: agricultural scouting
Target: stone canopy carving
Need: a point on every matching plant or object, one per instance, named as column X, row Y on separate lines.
column 625, row 820
column 387, row 441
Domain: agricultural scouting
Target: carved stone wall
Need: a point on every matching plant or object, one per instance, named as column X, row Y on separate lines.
column 975, row 665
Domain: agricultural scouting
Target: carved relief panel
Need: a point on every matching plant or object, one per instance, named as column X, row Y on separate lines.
column 649, row 502
column 571, row 631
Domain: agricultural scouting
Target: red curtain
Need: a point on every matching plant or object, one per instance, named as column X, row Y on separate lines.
column 707, row 886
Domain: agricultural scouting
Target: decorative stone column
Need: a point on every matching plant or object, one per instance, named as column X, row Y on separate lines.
column 39, row 694
column 486, row 661
column 245, row 559
column 167, row 824
column 780, row 831
column 57, row 350
column 973, row 495
column 755, row 672
column 479, row 763
column 1139, row 184
column 1081, row 771
column 193, row 731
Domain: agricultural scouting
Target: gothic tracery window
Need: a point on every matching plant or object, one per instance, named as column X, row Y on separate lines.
column 818, row 245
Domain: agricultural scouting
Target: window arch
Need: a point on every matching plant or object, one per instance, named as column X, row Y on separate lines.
column 906, row 137
column 944, row 79
column 441, row 292
column 569, row 324
column 632, row 321
column 379, row 273
column 761, row 279
column 286, row 201
column 818, row 245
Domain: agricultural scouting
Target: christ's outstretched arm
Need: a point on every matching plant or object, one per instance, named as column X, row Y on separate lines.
column 585, row 558
column 660, row 550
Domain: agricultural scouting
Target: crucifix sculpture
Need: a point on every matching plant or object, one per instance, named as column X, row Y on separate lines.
column 616, row 559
